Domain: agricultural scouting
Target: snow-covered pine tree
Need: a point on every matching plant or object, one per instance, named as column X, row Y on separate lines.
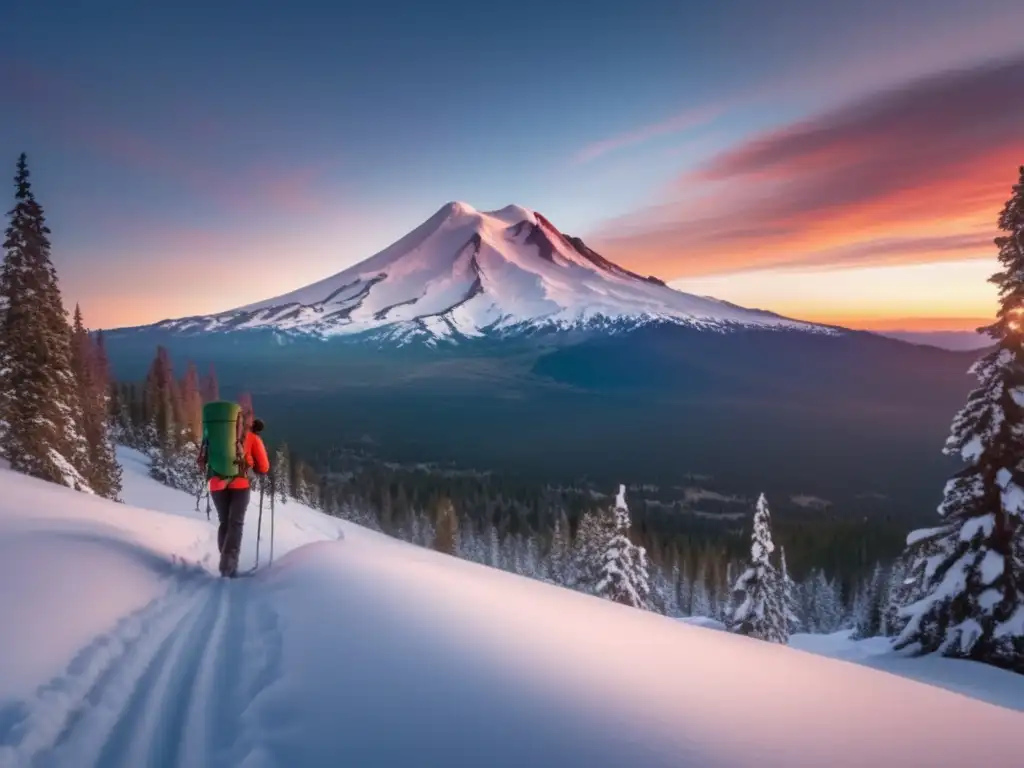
column 825, row 603
column 518, row 562
column 672, row 577
column 558, row 557
column 175, row 464
column 41, row 407
column 869, row 619
column 760, row 609
column 588, row 548
column 725, row 606
column 790, row 599
column 493, row 547
column 298, row 484
column 282, row 472
column 508, row 559
column 531, row 557
column 623, row 576
column 896, row 596
column 972, row 589
column 472, row 545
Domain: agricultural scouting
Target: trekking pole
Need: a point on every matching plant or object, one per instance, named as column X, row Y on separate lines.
column 259, row 527
column 273, row 495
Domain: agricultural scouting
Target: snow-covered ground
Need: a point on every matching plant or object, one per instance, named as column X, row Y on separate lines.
column 121, row 647
column 979, row 681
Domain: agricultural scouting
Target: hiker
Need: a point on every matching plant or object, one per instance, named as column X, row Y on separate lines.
column 230, row 489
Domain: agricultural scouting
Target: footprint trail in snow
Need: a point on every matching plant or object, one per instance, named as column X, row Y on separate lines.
column 170, row 685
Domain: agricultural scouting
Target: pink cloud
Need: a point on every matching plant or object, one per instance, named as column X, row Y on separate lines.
column 916, row 173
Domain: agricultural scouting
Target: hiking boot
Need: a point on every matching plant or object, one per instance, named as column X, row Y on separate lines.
column 228, row 565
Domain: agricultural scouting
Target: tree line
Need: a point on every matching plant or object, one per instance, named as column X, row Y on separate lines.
column 54, row 375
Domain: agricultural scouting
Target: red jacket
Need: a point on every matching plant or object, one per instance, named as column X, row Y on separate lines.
column 255, row 457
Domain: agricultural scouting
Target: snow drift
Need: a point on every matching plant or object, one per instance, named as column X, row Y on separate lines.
column 465, row 273
column 122, row 647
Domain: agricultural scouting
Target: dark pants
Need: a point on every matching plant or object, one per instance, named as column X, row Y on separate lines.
column 231, row 504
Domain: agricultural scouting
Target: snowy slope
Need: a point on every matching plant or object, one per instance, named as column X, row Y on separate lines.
column 467, row 273
column 121, row 648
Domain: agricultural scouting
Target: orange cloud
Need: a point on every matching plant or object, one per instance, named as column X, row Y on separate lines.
column 909, row 175
column 920, row 324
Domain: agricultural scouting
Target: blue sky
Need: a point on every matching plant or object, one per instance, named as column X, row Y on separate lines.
column 287, row 141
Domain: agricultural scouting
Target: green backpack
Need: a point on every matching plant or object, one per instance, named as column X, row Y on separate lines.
column 223, row 429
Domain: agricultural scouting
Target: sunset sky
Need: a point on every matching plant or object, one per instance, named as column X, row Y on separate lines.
column 841, row 161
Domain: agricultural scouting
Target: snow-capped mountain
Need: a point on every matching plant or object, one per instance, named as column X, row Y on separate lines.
column 466, row 273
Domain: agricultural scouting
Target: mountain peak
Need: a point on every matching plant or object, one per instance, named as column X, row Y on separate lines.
column 465, row 273
column 457, row 208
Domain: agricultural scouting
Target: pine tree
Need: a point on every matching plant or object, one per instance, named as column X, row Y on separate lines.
column 589, row 546
column 700, row 599
column 192, row 404
column 298, row 480
column 760, row 607
column 558, row 558
column 493, row 547
column 311, row 486
column 41, row 410
column 282, row 472
column 870, row 619
column 446, row 536
column 789, row 595
column 245, row 403
column 623, row 575
column 210, row 389
column 161, row 396
column 826, row 604
column 103, row 361
column 664, row 598
column 88, row 362
column 531, row 558
column 972, row 589
column 897, row 595
column 684, row 589
column 177, row 467
column 726, row 607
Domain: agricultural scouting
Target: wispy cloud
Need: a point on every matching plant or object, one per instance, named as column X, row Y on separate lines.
column 54, row 104
column 684, row 121
column 916, row 173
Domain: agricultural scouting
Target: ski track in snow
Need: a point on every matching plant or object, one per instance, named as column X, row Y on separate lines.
column 170, row 685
